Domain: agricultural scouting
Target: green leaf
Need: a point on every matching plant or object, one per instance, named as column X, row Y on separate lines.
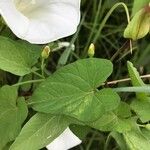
column 117, row 120
column 120, row 140
column 7, row 146
column 146, row 133
column 80, row 131
column 39, row 131
column 72, row 90
column 11, row 115
column 142, row 109
column 64, row 56
column 134, row 75
column 136, row 80
column 139, row 4
column 27, row 87
column 123, row 110
column 17, row 57
column 140, row 105
column 136, row 140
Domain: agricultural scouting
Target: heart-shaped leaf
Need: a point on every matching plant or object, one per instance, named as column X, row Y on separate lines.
column 72, row 90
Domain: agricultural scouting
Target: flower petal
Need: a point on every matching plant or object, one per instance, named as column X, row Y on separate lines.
column 42, row 22
column 65, row 141
column 14, row 19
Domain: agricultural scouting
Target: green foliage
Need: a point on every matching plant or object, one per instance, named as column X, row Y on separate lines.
column 142, row 109
column 118, row 120
column 40, row 130
column 137, row 140
column 7, row 146
column 136, row 80
column 80, row 130
column 120, row 140
column 26, row 87
column 140, row 105
column 13, row 112
column 74, row 92
column 18, row 57
column 75, row 86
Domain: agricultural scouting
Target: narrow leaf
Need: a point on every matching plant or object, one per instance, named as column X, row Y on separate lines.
column 136, row 80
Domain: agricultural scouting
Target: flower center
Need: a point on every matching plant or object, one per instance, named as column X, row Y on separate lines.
column 25, row 6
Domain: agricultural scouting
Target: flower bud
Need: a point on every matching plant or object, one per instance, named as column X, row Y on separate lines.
column 139, row 25
column 91, row 50
column 147, row 126
column 45, row 53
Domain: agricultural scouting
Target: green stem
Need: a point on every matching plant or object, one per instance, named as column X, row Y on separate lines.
column 107, row 142
column 91, row 141
column 29, row 82
column 140, row 125
column 144, row 89
column 39, row 75
column 42, row 66
column 76, row 34
column 20, row 79
column 108, row 15
column 93, row 28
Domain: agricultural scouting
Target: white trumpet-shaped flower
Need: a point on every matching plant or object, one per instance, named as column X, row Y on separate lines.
column 41, row 21
column 65, row 141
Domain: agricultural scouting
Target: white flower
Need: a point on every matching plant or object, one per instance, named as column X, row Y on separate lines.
column 41, row 21
column 65, row 141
